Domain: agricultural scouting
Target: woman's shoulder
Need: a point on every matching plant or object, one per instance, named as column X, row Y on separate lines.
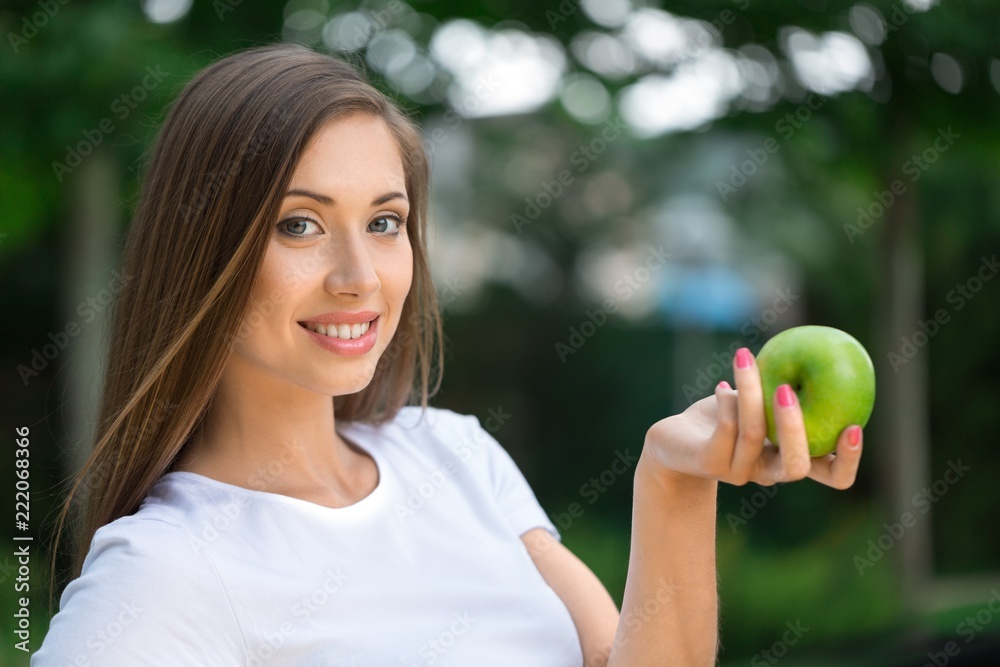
column 148, row 556
column 147, row 539
column 143, row 586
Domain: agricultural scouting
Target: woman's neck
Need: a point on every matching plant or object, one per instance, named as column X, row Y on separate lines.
column 276, row 437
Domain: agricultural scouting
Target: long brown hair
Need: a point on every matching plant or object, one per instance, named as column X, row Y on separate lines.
column 214, row 184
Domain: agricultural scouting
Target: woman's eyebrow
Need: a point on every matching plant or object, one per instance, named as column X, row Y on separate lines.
column 323, row 199
column 389, row 196
column 297, row 192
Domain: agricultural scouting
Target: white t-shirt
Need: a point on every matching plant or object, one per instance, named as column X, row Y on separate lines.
column 428, row 569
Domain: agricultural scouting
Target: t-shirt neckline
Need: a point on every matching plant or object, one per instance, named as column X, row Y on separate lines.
column 372, row 499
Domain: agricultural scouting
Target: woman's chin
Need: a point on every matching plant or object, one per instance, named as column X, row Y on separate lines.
column 346, row 388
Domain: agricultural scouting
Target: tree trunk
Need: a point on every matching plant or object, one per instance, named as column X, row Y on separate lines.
column 902, row 446
column 90, row 256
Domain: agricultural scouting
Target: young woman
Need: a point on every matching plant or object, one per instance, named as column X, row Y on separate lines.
column 269, row 485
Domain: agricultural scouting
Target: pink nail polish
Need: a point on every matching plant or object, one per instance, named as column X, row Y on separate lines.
column 743, row 358
column 723, row 385
column 854, row 436
column 786, row 397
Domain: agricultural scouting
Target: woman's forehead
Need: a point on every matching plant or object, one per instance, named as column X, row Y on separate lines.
column 357, row 151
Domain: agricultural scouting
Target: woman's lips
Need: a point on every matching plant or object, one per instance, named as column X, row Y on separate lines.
column 360, row 345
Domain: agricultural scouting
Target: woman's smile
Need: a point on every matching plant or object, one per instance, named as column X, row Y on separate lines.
column 344, row 337
column 357, row 338
column 341, row 324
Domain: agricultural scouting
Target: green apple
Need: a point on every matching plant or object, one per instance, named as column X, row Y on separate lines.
column 832, row 375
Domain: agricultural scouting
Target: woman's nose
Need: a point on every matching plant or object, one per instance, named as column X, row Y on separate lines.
column 351, row 270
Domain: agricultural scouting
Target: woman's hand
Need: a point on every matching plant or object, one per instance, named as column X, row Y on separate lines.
column 722, row 437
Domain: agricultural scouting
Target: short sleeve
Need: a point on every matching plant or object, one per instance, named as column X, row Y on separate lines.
column 513, row 493
column 146, row 596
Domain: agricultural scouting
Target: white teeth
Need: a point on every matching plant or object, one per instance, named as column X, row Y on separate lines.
column 342, row 331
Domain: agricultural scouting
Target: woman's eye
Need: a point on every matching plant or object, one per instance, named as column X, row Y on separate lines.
column 387, row 224
column 296, row 226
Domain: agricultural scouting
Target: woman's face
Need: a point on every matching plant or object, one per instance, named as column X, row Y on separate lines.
column 338, row 265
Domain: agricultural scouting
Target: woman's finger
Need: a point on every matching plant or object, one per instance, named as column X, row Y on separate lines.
column 841, row 469
column 752, row 423
column 718, row 453
column 793, row 444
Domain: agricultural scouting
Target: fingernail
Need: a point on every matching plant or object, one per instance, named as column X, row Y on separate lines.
column 786, row 397
column 743, row 358
column 854, row 436
column 723, row 385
